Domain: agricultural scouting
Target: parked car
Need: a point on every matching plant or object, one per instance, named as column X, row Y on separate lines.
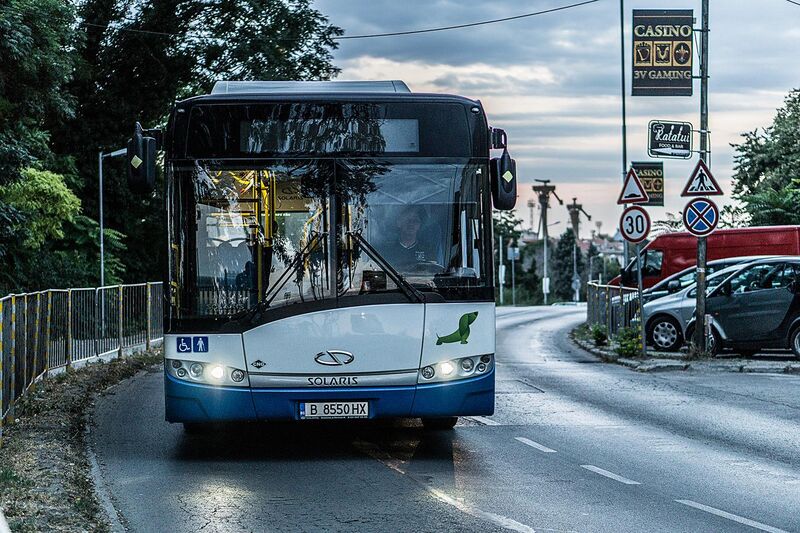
column 666, row 318
column 757, row 307
column 686, row 277
column 670, row 253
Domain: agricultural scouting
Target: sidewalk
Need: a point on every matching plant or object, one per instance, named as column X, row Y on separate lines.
column 671, row 361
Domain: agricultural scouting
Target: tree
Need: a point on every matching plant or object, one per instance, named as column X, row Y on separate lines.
column 772, row 207
column 140, row 56
column 45, row 201
column 529, row 284
column 505, row 227
column 562, row 266
column 765, row 165
column 36, row 37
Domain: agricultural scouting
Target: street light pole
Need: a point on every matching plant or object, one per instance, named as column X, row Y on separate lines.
column 100, row 157
column 626, row 250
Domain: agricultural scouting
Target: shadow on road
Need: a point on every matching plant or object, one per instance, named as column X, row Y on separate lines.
column 406, row 440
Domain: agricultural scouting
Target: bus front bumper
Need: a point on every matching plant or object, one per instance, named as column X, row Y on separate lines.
column 190, row 402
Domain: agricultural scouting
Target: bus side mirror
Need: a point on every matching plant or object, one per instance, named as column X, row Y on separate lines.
column 141, row 161
column 504, row 181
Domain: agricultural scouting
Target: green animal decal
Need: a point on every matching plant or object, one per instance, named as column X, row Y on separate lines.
column 462, row 333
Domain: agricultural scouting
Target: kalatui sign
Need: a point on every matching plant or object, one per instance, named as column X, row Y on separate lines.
column 669, row 139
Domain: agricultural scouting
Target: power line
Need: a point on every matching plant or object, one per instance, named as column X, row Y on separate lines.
column 793, row 2
column 468, row 25
column 366, row 36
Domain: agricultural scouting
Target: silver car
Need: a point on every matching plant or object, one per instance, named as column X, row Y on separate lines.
column 666, row 318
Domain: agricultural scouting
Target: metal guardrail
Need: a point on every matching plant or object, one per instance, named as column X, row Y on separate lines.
column 612, row 306
column 46, row 331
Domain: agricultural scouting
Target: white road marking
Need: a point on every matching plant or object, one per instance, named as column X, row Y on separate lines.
column 485, row 421
column 499, row 520
column 502, row 521
column 610, row 475
column 532, row 444
column 731, row 516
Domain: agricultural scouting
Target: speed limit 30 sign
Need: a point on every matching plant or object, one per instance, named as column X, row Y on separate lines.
column 634, row 224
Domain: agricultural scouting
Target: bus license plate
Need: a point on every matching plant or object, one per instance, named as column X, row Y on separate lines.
column 334, row 410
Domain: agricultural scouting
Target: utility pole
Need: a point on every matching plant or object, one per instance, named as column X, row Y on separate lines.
column 700, row 309
column 575, row 209
column 544, row 191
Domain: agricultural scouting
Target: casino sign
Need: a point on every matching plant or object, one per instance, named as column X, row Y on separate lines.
column 662, row 52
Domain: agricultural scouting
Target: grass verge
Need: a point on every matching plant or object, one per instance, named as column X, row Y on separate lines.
column 45, row 481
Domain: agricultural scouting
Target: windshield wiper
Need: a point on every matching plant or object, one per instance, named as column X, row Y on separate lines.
column 409, row 290
column 298, row 260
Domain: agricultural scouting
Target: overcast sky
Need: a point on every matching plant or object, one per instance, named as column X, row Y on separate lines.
column 553, row 82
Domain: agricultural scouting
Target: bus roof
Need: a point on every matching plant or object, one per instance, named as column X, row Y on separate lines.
column 319, row 87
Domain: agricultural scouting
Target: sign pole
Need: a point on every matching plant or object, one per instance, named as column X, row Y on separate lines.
column 700, row 308
column 513, row 280
column 501, row 271
column 639, row 292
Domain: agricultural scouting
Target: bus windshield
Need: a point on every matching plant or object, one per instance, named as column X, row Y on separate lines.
column 288, row 231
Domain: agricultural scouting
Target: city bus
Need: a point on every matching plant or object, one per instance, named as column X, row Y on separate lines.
column 329, row 252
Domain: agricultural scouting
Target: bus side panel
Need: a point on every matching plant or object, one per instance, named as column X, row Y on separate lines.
column 454, row 330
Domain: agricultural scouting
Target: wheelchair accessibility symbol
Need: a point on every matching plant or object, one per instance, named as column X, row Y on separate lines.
column 184, row 344
column 191, row 344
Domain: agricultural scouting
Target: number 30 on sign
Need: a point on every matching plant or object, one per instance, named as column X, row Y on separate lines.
column 634, row 224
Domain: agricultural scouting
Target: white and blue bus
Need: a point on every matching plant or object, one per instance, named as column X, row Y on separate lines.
column 330, row 252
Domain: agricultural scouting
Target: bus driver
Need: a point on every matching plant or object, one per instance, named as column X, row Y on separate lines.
column 410, row 247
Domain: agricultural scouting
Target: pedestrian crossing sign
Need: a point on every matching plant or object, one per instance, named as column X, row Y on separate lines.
column 702, row 182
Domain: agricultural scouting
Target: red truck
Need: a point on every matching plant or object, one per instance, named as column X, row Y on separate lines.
column 672, row 252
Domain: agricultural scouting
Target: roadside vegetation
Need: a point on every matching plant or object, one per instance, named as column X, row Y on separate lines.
column 45, row 481
column 76, row 76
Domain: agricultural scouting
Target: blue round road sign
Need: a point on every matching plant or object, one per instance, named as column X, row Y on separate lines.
column 700, row 216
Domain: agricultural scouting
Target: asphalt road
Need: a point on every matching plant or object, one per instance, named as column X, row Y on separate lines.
column 574, row 445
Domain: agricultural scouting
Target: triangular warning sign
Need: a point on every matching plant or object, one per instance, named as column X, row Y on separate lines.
column 701, row 182
column 632, row 190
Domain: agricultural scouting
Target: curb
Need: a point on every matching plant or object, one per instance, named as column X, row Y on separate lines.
column 677, row 364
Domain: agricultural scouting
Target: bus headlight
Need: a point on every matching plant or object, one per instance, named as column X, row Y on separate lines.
column 217, row 372
column 447, row 368
column 206, row 373
column 464, row 367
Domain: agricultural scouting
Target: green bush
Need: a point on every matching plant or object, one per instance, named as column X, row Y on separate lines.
column 629, row 342
column 599, row 334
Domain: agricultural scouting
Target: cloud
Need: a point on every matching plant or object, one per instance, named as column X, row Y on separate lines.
column 553, row 81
